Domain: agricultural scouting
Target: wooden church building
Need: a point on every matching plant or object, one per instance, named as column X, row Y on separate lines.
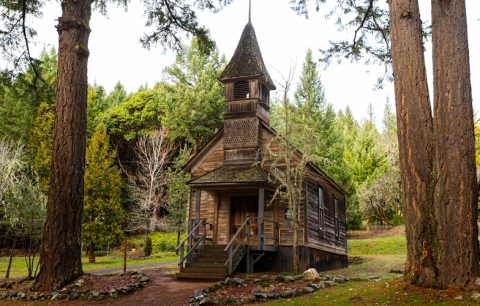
column 233, row 227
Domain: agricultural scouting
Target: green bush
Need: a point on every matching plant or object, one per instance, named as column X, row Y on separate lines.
column 163, row 242
column 148, row 247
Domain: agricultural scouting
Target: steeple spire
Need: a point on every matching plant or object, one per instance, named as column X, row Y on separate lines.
column 249, row 12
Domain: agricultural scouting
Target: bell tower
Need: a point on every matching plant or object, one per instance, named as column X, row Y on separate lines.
column 247, row 100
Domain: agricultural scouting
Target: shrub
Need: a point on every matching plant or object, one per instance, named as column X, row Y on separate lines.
column 148, row 247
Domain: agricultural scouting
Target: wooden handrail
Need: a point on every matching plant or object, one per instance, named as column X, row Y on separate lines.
column 198, row 225
column 238, row 232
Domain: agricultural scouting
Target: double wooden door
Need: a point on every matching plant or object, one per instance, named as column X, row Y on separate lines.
column 241, row 208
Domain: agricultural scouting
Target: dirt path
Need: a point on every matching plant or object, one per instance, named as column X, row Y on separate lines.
column 133, row 267
column 163, row 290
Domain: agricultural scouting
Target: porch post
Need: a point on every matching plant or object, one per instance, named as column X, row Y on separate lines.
column 261, row 209
column 197, row 210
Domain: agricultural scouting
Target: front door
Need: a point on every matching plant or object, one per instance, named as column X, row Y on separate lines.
column 243, row 207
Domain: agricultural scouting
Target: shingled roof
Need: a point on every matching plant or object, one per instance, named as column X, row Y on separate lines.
column 247, row 59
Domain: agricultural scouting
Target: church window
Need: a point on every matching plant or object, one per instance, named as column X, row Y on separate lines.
column 241, row 90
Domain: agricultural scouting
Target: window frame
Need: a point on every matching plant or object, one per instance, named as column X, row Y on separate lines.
column 335, row 202
column 321, row 209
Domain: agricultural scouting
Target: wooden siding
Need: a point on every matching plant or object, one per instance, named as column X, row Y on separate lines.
column 212, row 162
column 325, row 239
column 223, row 224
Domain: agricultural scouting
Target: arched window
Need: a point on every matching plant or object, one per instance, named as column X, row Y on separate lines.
column 241, row 90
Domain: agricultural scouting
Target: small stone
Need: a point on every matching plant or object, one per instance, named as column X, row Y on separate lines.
column 396, row 271
column 315, row 287
column 309, row 290
column 310, row 274
column 260, row 295
column 297, row 277
column 144, row 279
column 55, row 296
column 252, row 298
column 476, row 296
column 297, row 292
column 372, row 277
column 286, row 294
column 74, row 296
column 280, row 278
column 36, row 296
column 289, row 279
column 338, row 279
column 232, row 298
column 3, row 296
column 265, row 278
column 244, row 300
column 459, row 298
column 113, row 290
column 191, row 300
column 206, row 301
column 95, row 294
column 238, row 281
column 248, row 281
column 330, row 284
column 229, row 281
column 198, row 292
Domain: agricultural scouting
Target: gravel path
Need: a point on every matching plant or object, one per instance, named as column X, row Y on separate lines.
column 130, row 267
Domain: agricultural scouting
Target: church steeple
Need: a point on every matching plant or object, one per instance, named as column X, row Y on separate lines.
column 247, row 100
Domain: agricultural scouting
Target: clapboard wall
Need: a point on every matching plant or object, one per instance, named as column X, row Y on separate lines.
column 325, row 239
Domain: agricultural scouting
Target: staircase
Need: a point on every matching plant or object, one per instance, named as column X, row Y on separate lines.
column 208, row 262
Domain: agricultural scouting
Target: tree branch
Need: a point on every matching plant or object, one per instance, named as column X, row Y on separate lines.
column 363, row 22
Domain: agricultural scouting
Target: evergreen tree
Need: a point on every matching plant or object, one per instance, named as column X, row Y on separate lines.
column 41, row 143
column 102, row 212
column 117, row 96
column 194, row 104
column 389, row 120
column 371, row 114
column 19, row 101
column 96, row 105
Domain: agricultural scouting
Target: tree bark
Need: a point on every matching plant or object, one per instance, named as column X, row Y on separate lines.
column 60, row 260
column 11, row 256
column 415, row 138
column 91, row 256
column 456, row 244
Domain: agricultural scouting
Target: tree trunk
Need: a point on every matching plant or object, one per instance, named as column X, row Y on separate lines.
column 178, row 241
column 11, row 256
column 60, row 253
column 91, row 257
column 456, row 244
column 296, row 261
column 415, row 137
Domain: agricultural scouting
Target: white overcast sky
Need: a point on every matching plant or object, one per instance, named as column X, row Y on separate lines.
column 284, row 37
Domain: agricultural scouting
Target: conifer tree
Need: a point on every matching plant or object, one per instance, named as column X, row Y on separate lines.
column 41, row 143
column 389, row 120
column 102, row 211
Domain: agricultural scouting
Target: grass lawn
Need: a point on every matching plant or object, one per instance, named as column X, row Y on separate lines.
column 19, row 267
column 378, row 246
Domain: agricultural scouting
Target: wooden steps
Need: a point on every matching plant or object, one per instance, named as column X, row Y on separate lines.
column 208, row 263
column 209, row 276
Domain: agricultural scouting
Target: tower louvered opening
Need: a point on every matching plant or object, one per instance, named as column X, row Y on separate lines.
column 241, row 90
column 264, row 94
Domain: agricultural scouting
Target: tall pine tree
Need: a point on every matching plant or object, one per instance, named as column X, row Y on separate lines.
column 41, row 143
column 389, row 120
column 102, row 211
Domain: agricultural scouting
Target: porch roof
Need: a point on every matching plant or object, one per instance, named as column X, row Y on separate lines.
column 237, row 174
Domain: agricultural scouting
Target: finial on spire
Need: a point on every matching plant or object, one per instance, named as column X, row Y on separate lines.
column 249, row 12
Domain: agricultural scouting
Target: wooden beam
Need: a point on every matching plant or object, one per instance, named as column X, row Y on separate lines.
column 197, row 208
column 261, row 211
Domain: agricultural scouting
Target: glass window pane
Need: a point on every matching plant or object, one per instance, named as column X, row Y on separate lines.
column 320, row 198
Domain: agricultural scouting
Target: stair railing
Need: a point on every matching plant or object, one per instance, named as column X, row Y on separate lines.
column 260, row 236
column 191, row 238
column 231, row 251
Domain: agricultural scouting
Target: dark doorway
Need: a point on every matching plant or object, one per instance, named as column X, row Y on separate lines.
column 243, row 207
